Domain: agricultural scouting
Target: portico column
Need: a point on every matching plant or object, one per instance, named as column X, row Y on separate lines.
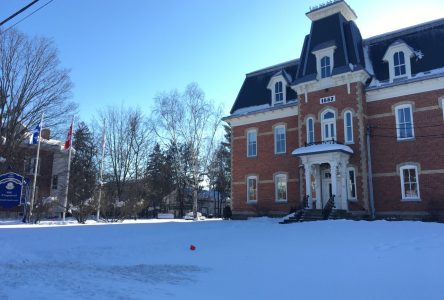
column 344, row 194
column 334, row 183
column 318, row 186
column 307, row 169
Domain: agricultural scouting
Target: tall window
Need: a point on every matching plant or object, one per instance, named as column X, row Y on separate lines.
column 55, row 182
column 251, row 188
column 310, row 131
column 280, row 183
column 351, row 183
column 30, row 165
column 328, row 126
column 348, row 127
column 399, row 63
column 404, row 122
column 325, row 67
column 409, row 182
column 251, row 143
column 278, row 92
column 279, row 139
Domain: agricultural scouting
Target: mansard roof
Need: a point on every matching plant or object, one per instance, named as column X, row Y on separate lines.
column 352, row 53
column 254, row 90
column 336, row 31
column 426, row 41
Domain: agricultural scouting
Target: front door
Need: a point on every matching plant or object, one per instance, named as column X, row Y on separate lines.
column 326, row 187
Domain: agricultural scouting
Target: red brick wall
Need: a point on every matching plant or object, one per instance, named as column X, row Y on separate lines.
column 426, row 149
column 264, row 165
column 344, row 101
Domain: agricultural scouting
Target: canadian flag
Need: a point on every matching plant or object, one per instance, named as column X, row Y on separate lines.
column 69, row 137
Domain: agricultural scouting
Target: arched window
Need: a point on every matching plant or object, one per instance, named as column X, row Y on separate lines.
column 399, row 63
column 348, row 127
column 280, row 185
column 325, row 67
column 328, row 126
column 279, row 139
column 278, row 92
column 310, row 131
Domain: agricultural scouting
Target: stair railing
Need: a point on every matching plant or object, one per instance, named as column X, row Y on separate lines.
column 326, row 211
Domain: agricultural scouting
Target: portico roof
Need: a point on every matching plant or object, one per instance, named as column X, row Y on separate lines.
column 322, row 148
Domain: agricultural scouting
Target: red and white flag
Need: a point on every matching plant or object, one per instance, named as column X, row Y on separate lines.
column 69, row 137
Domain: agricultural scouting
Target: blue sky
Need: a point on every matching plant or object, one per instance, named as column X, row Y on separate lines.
column 127, row 51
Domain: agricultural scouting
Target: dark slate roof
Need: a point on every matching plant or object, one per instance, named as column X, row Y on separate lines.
column 427, row 40
column 326, row 32
column 254, row 90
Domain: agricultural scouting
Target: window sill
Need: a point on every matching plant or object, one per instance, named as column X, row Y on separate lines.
column 280, row 154
column 281, row 201
column 405, row 139
column 252, row 157
column 410, row 199
column 353, row 200
column 349, row 143
column 251, row 201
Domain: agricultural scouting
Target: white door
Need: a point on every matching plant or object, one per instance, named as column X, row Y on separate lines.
column 326, row 186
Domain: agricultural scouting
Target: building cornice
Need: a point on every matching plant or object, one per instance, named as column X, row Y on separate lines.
column 329, row 82
column 408, row 88
column 264, row 115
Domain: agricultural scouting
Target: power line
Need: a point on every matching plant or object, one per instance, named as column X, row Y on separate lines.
column 27, row 16
column 413, row 137
column 18, row 12
column 419, row 126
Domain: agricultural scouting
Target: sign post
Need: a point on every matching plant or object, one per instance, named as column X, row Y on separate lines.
column 11, row 189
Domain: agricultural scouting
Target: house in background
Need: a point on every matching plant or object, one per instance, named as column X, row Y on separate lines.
column 51, row 175
column 353, row 122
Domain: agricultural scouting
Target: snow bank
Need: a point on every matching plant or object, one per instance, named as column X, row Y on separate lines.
column 255, row 259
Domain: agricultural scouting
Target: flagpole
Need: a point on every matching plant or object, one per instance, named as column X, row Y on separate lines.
column 35, row 170
column 101, row 174
column 65, row 204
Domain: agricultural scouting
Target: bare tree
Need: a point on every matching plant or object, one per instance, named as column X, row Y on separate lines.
column 31, row 83
column 128, row 143
column 189, row 119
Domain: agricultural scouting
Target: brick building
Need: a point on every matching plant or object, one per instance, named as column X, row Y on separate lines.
column 51, row 175
column 358, row 121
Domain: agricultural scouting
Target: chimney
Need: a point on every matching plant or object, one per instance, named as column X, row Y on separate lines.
column 46, row 133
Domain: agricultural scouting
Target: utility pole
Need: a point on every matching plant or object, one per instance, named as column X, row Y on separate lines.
column 370, row 173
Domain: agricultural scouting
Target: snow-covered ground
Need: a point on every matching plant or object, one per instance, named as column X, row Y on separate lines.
column 255, row 259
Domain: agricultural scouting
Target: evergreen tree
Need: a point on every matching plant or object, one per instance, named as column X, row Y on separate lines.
column 83, row 176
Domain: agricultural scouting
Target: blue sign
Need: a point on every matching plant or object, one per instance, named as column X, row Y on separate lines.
column 13, row 189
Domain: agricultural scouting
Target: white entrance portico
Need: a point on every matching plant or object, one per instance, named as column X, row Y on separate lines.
column 325, row 168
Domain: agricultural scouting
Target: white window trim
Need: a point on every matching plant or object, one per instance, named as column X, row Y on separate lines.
column 276, row 188
column 308, row 130
column 329, row 51
column 275, row 139
column 328, row 122
column 248, row 141
column 346, row 140
column 442, row 106
column 257, row 189
column 398, row 129
column 350, row 198
column 401, row 175
column 388, row 57
column 271, row 84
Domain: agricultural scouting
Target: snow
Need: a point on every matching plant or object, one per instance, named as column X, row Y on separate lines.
column 250, row 109
column 322, row 148
column 255, row 259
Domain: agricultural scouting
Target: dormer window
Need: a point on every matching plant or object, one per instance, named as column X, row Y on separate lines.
column 278, row 92
column 324, row 59
column 325, row 67
column 278, row 88
column 398, row 56
column 399, row 63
